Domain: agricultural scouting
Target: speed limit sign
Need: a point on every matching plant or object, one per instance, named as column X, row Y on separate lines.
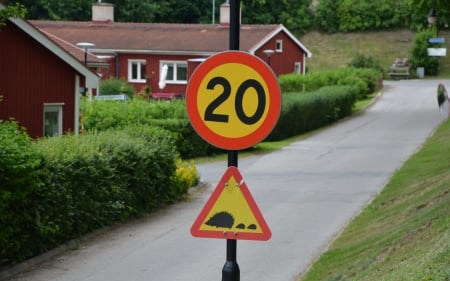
column 233, row 100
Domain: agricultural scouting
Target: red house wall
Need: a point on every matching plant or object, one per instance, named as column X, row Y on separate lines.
column 152, row 69
column 31, row 76
column 282, row 62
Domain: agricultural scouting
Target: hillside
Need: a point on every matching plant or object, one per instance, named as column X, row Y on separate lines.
column 331, row 51
column 404, row 234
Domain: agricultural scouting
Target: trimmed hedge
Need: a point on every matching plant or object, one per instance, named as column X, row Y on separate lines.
column 172, row 116
column 86, row 182
column 19, row 178
column 303, row 112
column 366, row 79
column 169, row 115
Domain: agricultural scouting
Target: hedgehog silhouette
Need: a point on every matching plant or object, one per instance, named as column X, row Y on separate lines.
column 240, row 226
column 221, row 219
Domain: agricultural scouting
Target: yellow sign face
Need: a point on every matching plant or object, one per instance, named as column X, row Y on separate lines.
column 245, row 104
column 233, row 100
column 231, row 212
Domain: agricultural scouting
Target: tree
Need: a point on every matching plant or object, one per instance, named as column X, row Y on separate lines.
column 421, row 8
column 326, row 16
column 14, row 11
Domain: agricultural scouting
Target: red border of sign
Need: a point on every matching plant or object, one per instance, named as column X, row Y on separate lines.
column 197, row 232
column 274, row 106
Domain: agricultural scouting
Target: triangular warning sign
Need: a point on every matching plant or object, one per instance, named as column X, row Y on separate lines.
column 231, row 212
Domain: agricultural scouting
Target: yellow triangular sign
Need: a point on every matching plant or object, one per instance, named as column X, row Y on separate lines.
column 231, row 212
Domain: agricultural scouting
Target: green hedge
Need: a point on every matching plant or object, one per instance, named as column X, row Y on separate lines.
column 169, row 115
column 81, row 183
column 366, row 79
column 19, row 179
column 303, row 112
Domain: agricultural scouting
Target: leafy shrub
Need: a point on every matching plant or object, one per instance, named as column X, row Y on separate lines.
column 116, row 86
column 83, row 183
column 169, row 115
column 19, row 174
column 365, row 61
column 326, row 18
column 365, row 79
column 303, row 112
column 186, row 176
column 419, row 54
column 372, row 15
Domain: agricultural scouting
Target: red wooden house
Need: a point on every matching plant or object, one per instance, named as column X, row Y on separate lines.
column 40, row 83
column 137, row 52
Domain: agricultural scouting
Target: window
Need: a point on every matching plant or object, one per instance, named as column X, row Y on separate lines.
column 137, row 71
column 298, row 67
column 279, row 46
column 176, row 71
column 53, row 119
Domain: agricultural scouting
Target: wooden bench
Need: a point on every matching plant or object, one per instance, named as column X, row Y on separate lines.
column 396, row 72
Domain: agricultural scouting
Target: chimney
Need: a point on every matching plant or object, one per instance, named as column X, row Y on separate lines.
column 225, row 14
column 102, row 12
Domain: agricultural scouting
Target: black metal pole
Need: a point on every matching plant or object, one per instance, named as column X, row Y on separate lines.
column 234, row 24
column 230, row 271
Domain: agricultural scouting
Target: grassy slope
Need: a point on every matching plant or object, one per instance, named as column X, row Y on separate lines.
column 404, row 234
column 335, row 50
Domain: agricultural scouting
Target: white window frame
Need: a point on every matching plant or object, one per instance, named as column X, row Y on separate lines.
column 298, row 67
column 141, row 77
column 51, row 108
column 174, row 64
column 279, row 46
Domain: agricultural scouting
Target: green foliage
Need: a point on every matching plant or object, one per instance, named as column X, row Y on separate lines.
column 62, row 187
column 303, row 112
column 365, row 61
column 116, row 86
column 419, row 54
column 169, row 115
column 295, row 15
column 18, row 161
column 372, row 15
column 19, row 174
column 298, row 16
column 365, row 79
column 420, row 10
column 326, row 18
column 14, row 11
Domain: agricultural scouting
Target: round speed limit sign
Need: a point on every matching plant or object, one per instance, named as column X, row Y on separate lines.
column 233, row 100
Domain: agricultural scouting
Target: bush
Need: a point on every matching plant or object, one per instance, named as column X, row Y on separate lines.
column 19, row 174
column 326, row 18
column 366, row 61
column 116, row 86
column 365, row 79
column 303, row 112
column 357, row 15
column 169, row 115
column 419, row 53
column 70, row 185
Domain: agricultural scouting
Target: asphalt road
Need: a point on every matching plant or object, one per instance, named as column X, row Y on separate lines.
column 307, row 192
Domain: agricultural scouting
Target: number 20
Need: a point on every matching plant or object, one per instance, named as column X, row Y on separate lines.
column 210, row 114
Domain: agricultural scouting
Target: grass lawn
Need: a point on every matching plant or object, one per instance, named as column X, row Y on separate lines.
column 404, row 234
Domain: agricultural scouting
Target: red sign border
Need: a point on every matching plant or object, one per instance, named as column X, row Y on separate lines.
column 197, row 232
column 274, row 105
